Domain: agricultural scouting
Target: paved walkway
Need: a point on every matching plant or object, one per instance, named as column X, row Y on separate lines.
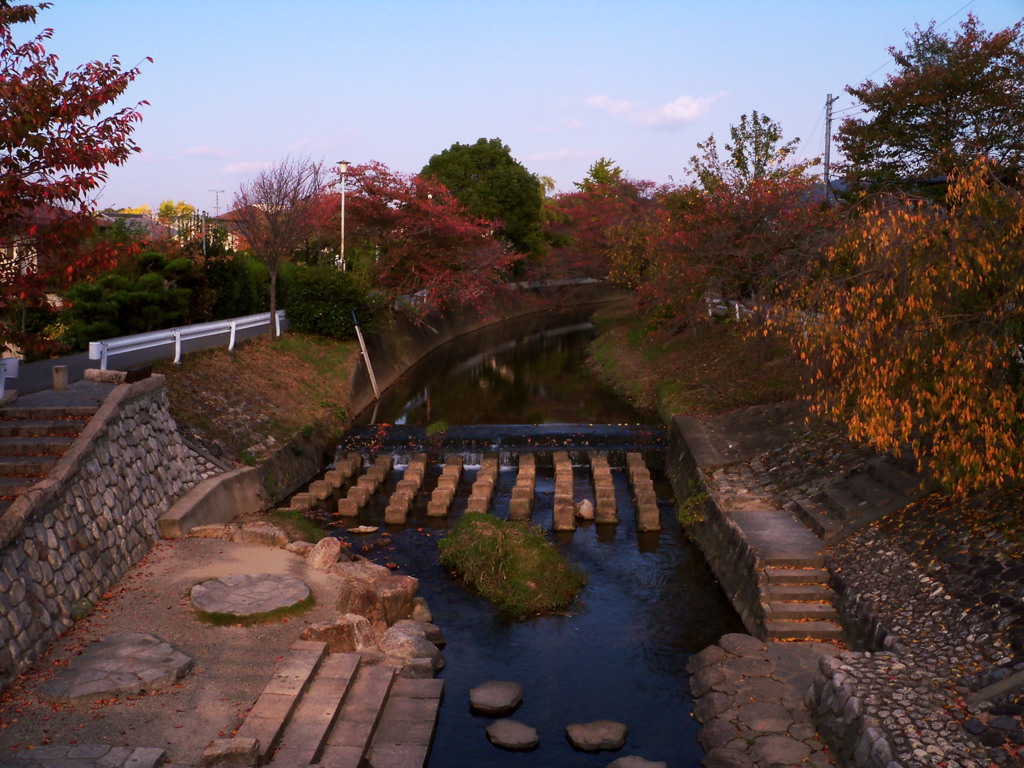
column 749, row 700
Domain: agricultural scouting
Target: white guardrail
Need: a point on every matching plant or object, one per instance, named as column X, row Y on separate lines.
column 102, row 350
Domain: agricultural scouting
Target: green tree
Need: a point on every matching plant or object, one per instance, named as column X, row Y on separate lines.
column 756, row 152
column 491, row 184
column 951, row 98
column 602, row 173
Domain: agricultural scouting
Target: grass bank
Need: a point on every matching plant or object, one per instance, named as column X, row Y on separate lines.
column 712, row 368
column 241, row 406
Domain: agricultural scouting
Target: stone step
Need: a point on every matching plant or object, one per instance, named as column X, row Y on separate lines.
column 350, row 738
column 798, row 611
column 37, row 412
column 777, row 575
column 38, row 445
column 270, row 714
column 24, row 427
column 27, row 466
column 809, row 593
column 814, row 516
column 887, row 471
column 307, row 730
column 842, row 502
column 406, row 728
column 13, row 486
column 803, row 630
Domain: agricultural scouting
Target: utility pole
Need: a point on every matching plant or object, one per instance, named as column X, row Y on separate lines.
column 216, row 205
column 829, row 101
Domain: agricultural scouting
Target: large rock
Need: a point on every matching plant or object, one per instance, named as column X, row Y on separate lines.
column 360, row 597
column 396, row 593
column 406, row 643
column 511, row 734
column 496, row 697
column 597, row 735
column 585, row 509
column 230, row 753
column 430, row 631
column 264, row 534
column 360, row 569
column 324, row 554
column 345, row 634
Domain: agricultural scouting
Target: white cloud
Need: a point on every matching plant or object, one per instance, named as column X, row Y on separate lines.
column 205, row 150
column 247, row 166
column 606, row 103
column 685, row 109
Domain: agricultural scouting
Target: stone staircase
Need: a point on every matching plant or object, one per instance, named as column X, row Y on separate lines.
column 32, row 439
column 844, row 504
column 334, row 711
column 797, row 601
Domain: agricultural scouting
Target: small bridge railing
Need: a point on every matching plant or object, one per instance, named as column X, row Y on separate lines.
column 202, row 332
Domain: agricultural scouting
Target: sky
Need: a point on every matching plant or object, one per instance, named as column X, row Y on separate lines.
column 238, row 85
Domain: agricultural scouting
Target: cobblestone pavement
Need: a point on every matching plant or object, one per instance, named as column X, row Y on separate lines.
column 749, row 699
column 933, row 598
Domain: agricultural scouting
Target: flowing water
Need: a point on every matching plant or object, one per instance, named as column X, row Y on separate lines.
column 650, row 601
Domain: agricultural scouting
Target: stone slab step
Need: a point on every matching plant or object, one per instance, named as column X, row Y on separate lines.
column 875, row 494
column 273, row 709
column 39, row 412
column 808, row 593
column 36, row 445
column 29, row 466
column 889, row 473
column 797, row 611
column 776, row 575
column 815, row 516
column 12, row 486
column 406, row 728
column 842, row 501
column 779, row 538
column 350, row 738
column 18, row 427
column 307, row 731
column 801, row 630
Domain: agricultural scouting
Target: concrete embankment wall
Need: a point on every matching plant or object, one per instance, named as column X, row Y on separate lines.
column 730, row 556
column 69, row 539
column 410, row 339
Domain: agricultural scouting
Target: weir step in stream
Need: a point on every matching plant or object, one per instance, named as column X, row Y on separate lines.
column 346, row 491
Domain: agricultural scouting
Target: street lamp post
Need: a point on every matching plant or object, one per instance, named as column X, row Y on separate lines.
column 343, row 169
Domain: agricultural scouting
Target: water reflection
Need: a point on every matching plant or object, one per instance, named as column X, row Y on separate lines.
column 538, row 377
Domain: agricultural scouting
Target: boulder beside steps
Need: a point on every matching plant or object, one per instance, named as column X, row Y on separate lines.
column 335, row 711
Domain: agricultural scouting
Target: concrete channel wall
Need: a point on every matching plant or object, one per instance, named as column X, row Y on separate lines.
column 730, row 556
column 68, row 540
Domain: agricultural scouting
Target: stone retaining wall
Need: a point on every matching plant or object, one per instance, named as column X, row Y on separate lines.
column 727, row 551
column 69, row 539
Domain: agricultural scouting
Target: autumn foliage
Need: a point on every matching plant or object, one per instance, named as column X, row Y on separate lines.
column 914, row 329
column 420, row 241
column 57, row 139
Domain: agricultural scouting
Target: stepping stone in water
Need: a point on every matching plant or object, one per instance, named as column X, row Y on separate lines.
column 496, row 697
column 511, row 734
column 598, row 735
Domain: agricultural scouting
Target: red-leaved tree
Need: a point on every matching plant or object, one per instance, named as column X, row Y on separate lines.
column 420, row 239
column 56, row 142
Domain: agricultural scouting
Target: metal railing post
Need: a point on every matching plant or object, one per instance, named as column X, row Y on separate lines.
column 231, row 340
column 177, row 345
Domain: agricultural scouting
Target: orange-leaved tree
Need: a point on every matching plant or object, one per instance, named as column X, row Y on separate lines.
column 914, row 331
